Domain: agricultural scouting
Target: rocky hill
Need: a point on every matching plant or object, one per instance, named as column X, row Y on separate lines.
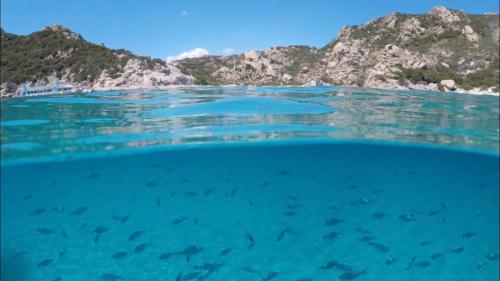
column 396, row 51
column 58, row 53
column 442, row 50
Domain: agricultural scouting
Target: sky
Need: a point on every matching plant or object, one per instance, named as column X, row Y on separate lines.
column 170, row 29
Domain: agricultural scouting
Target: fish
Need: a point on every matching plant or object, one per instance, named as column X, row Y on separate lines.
column 27, row 197
column 391, row 261
column 189, row 251
column 332, row 221
column 44, row 231
column 119, row 255
column 289, row 214
column 96, row 238
column 150, row 184
column 79, row 211
column 45, row 263
column 378, row 215
column 233, row 192
column 178, row 220
column 158, row 202
column 422, row 263
column 331, row 235
column 270, row 276
column 226, row 251
column 57, row 279
column 282, row 233
column 457, row 250
column 337, row 265
column 62, row 253
column 443, row 205
column 249, row 270
column 433, row 213
column 480, row 264
column 328, row 265
column 408, row 217
column 492, row 257
column 110, row 277
column 83, row 225
column 120, row 219
column 190, row 193
column 436, row 255
column 283, row 172
column 165, row 256
column 101, row 229
column 190, row 276
column 425, row 243
column 350, row 275
column 178, row 277
column 64, row 234
column 209, row 267
column 94, row 175
column 208, row 191
column 141, row 247
column 468, row 234
column 410, row 264
column 38, row 211
column 135, row 235
column 251, row 239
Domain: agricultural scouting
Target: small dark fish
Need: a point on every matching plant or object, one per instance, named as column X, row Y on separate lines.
column 178, row 277
column 64, row 234
column 173, row 193
column 282, row 233
column 151, row 184
column 350, row 275
column 190, row 276
column 251, row 239
column 264, row 184
column 165, row 256
column 111, row 277
column 184, row 179
column 19, row 254
column 141, row 247
column 457, row 250
column 249, row 270
column 289, row 214
column 135, row 235
column 378, row 215
column 283, row 172
column 178, row 220
column 434, row 213
column 94, row 175
column 190, row 193
column 43, row 230
column 344, row 267
column 38, row 211
column 45, row 263
column 358, row 202
column 120, row 219
column 422, row 263
column 391, row 261
column 83, row 225
column 190, row 250
column 79, row 211
column 226, row 251
column 480, row 264
column 57, row 279
column 270, row 276
column 331, row 235
column 210, row 267
column 119, row 255
column 332, row 221
column 329, row 265
column 408, row 217
column 96, row 238
column 492, row 257
column 233, row 192
column 443, row 205
column 304, row 279
column 62, row 253
column 410, row 264
column 101, row 229
column 208, row 191
column 436, row 255
column 158, row 202
column 335, row 207
column 27, row 197
column 425, row 243
column 468, row 234
column 379, row 247
column 366, row 238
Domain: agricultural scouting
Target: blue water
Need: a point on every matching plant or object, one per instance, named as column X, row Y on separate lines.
column 250, row 184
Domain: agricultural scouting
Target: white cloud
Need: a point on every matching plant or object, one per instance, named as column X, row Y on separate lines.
column 194, row 53
column 184, row 13
column 227, row 51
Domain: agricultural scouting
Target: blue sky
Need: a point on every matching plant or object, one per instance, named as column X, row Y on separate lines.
column 166, row 28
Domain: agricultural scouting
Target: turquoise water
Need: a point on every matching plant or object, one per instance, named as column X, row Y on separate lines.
column 250, row 184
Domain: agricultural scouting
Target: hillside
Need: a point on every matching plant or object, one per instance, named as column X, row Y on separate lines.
column 58, row 53
column 397, row 51
column 442, row 50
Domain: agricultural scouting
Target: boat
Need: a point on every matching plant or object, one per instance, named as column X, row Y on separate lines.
column 56, row 88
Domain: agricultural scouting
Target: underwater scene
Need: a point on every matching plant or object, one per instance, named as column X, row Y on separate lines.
column 240, row 183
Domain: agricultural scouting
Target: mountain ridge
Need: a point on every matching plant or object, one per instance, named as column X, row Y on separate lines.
column 444, row 49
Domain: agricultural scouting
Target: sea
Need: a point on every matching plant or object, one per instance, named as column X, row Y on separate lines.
column 250, row 183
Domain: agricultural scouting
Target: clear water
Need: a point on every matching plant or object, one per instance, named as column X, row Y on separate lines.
column 330, row 183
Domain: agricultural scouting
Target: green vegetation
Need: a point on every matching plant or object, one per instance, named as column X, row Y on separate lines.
column 40, row 54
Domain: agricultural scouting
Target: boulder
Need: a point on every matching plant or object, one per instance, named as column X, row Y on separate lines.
column 448, row 84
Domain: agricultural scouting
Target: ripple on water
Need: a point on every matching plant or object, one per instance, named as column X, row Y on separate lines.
column 242, row 106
